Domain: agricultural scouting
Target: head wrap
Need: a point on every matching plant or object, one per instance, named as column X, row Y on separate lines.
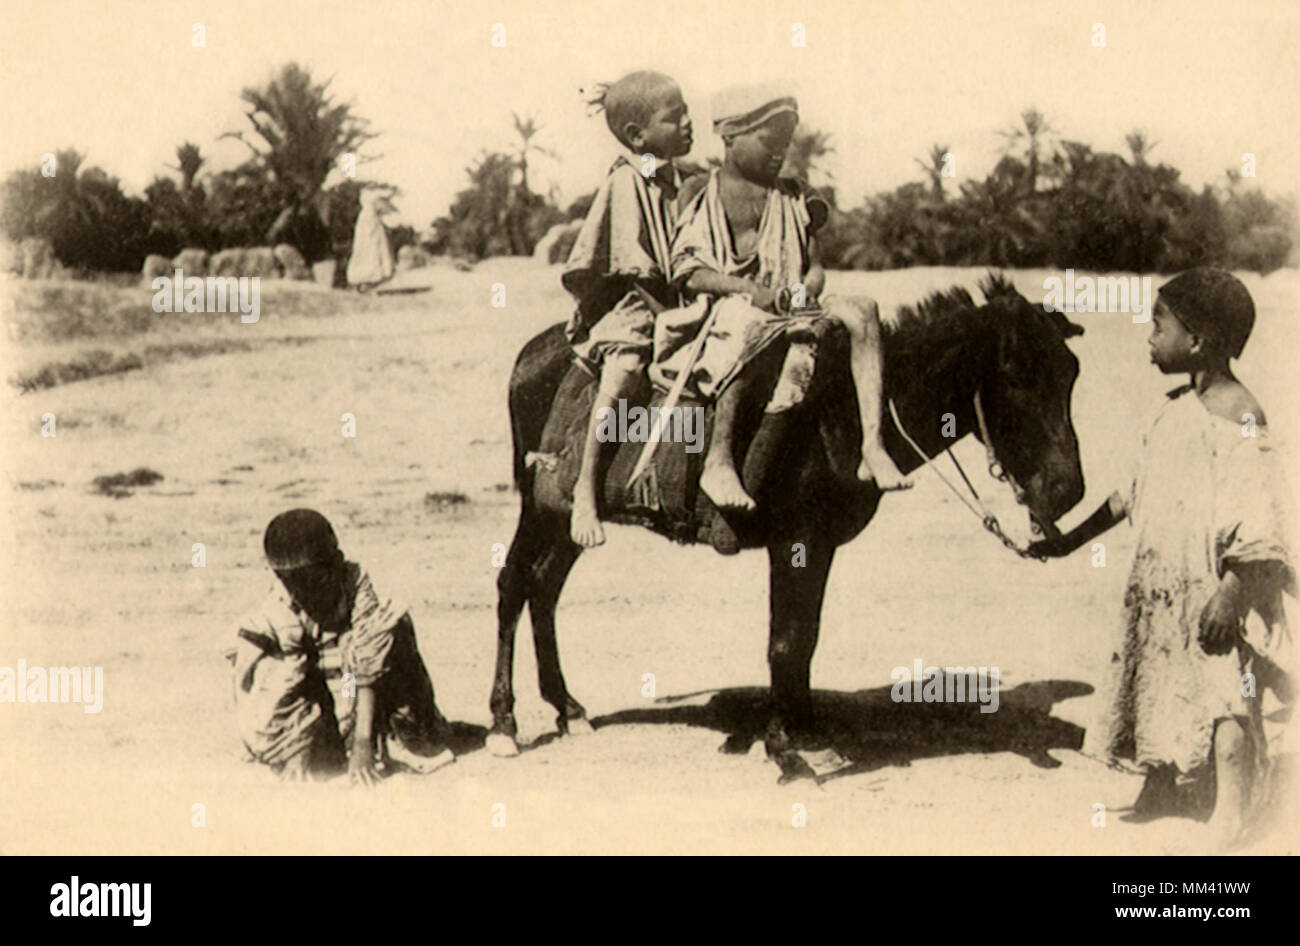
column 744, row 108
column 1214, row 304
column 299, row 537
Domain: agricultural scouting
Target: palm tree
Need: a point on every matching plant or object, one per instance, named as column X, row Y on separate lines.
column 527, row 129
column 1008, row 232
column 1139, row 145
column 80, row 210
column 477, row 224
column 301, row 133
column 522, row 199
column 188, row 162
column 933, row 167
column 82, row 200
column 1033, row 130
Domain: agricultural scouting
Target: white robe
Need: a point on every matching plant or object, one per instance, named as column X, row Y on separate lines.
column 1206, row 496
column 372, row 258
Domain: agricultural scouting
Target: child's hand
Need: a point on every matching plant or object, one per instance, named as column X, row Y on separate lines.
column 1220, row 623
column 814, row 283
column 763, row 298
column 361, row 769
column 296, row 770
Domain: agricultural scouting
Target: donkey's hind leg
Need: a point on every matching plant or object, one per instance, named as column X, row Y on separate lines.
column 514, row 585
column 549, row 576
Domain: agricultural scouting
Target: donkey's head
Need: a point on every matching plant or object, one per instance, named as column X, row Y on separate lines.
column 1025, row 399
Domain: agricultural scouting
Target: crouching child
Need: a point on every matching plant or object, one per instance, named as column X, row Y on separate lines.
column 324, row 611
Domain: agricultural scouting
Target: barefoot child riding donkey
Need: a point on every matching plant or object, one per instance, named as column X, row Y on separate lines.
column 747, row 246
column 619, row 268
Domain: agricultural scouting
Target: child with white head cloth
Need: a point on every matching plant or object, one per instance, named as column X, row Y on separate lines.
column 747, row 244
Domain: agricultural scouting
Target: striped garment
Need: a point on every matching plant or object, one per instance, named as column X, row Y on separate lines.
column 739, row 331
column 285, row 710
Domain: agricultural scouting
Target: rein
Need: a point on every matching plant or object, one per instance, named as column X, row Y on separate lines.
column 996, row 470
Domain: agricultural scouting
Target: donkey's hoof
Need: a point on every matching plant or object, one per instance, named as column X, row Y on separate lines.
column 501, row 745
column 793, row 768
column 737, row 744
column 577, row 726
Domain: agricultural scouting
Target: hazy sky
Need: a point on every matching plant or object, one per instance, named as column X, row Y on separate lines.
column 123, row 82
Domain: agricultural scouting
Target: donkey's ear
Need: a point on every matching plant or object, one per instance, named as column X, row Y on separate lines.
column 1063, row 325
column 1018, row 342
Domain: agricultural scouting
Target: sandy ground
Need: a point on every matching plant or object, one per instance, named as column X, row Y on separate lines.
column 91, row 580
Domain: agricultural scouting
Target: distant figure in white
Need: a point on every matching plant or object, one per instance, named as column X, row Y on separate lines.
column 372, row 259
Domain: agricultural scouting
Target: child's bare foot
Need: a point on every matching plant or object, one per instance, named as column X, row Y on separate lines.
column 1232, row 783
column 724, row 489
column 584, row 524
column 881, row 469
column 1227, row 827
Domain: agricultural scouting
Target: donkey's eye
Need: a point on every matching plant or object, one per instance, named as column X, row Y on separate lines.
column 1023, row 374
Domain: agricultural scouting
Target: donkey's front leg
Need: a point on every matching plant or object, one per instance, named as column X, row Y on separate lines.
column 798, row 570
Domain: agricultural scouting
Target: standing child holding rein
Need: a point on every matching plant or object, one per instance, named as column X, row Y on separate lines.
column 1187, row 679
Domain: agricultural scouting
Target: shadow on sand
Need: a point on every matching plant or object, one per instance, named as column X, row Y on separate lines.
column 463, row 738
column 870, row 731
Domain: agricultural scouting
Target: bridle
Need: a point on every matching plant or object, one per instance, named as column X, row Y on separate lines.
column 996, row 470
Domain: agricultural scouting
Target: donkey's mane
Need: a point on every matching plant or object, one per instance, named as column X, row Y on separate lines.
column 940, row 306
column 946, row 333
column 940, row 309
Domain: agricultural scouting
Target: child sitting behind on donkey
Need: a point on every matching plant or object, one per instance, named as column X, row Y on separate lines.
column 619, row 268
column 1188, row 677
column 284, row 706
column 747, row 241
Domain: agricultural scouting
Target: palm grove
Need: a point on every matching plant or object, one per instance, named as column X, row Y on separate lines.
column 1047, row 202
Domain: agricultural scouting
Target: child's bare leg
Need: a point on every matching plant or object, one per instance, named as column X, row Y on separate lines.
column 719, row 479
column 862, row 319
column 1232, row 780
column 616, row 376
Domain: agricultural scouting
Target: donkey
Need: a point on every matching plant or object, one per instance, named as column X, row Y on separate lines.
column 1001, row 371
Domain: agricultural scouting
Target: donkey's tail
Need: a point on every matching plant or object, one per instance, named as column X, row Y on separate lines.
column 538, row 371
